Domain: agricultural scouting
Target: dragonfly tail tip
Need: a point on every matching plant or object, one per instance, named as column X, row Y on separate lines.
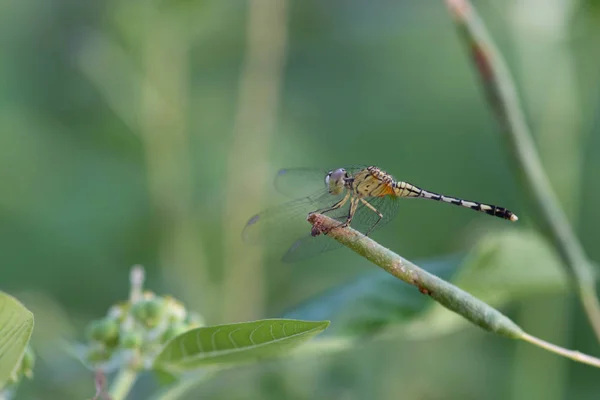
column 514, row 218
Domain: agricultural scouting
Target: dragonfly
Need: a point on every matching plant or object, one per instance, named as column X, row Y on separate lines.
column 363, row 197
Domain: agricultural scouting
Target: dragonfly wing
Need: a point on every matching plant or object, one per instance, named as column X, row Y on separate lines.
column 309, row 246
column 278, row 224
column 298, row 182
column 285, row 223
column 365, row 219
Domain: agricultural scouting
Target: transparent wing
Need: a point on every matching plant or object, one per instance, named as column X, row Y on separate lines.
column 364, row 219
column 309, row 246
column 300, row 182
column 285, row 226
column 285, row 223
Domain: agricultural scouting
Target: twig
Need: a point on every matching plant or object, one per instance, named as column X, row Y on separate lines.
column 441, row 291
column 572, row 354
column 502, row 97
column 100, row 382
column 446, row 294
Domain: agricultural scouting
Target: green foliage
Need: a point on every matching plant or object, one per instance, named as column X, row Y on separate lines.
column 133, row 332
column 158, row 334
column 390, row 85
column 16, row 326
column 372, row 301
column 235, row 343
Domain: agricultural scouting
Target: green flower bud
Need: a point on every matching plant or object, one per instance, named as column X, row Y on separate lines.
column 104, row 330
column 139, row 311
column 149, row 312
column 155, row 310
column 132, row 340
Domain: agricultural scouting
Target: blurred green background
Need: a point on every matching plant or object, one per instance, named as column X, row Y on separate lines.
column 148, row 132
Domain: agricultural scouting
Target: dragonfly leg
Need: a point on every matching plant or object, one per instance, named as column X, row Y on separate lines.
column 368, row 205
column 333, row 207
column 351, row 211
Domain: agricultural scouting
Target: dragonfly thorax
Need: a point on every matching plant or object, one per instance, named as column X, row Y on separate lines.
column 335, row 181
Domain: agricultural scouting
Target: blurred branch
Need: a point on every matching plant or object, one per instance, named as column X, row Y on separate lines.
column 540, row 31
column 258, row 97
column 165, row 136
column 153, row 102
column 108, row 66
column 100, row 382
column 446, row 294
column 503, row 99
column 123, row 383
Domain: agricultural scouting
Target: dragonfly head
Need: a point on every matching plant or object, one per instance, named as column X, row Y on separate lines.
column 336, row 180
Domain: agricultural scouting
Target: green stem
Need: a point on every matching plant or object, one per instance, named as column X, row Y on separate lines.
column 439, row 290
column 503, row 99
column 176, row 391
column 572, row 354
column 123, row 383
column 261, row 78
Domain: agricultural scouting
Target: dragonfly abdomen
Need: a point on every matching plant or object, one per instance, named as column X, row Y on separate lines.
column 404, row 189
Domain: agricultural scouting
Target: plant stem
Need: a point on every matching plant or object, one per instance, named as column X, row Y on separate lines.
column 439, row 290
column 164, row 126
column 572, row 354
column 552, row 98
column 502, row 97
column 177, row 390
column 123, row 383
column 256, row 115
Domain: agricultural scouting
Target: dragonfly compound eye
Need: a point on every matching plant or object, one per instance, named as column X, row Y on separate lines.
column 335, row 181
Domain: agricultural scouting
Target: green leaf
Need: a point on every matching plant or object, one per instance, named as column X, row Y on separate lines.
column 502, row 267
column 165, row 378
column 235, row 343
column 372, row 301
column 16, row 325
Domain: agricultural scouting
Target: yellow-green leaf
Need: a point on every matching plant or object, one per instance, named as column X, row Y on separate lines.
column 235, row 343
column 16, row 325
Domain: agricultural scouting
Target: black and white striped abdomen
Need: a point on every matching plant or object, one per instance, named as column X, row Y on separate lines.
column 404, row 189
